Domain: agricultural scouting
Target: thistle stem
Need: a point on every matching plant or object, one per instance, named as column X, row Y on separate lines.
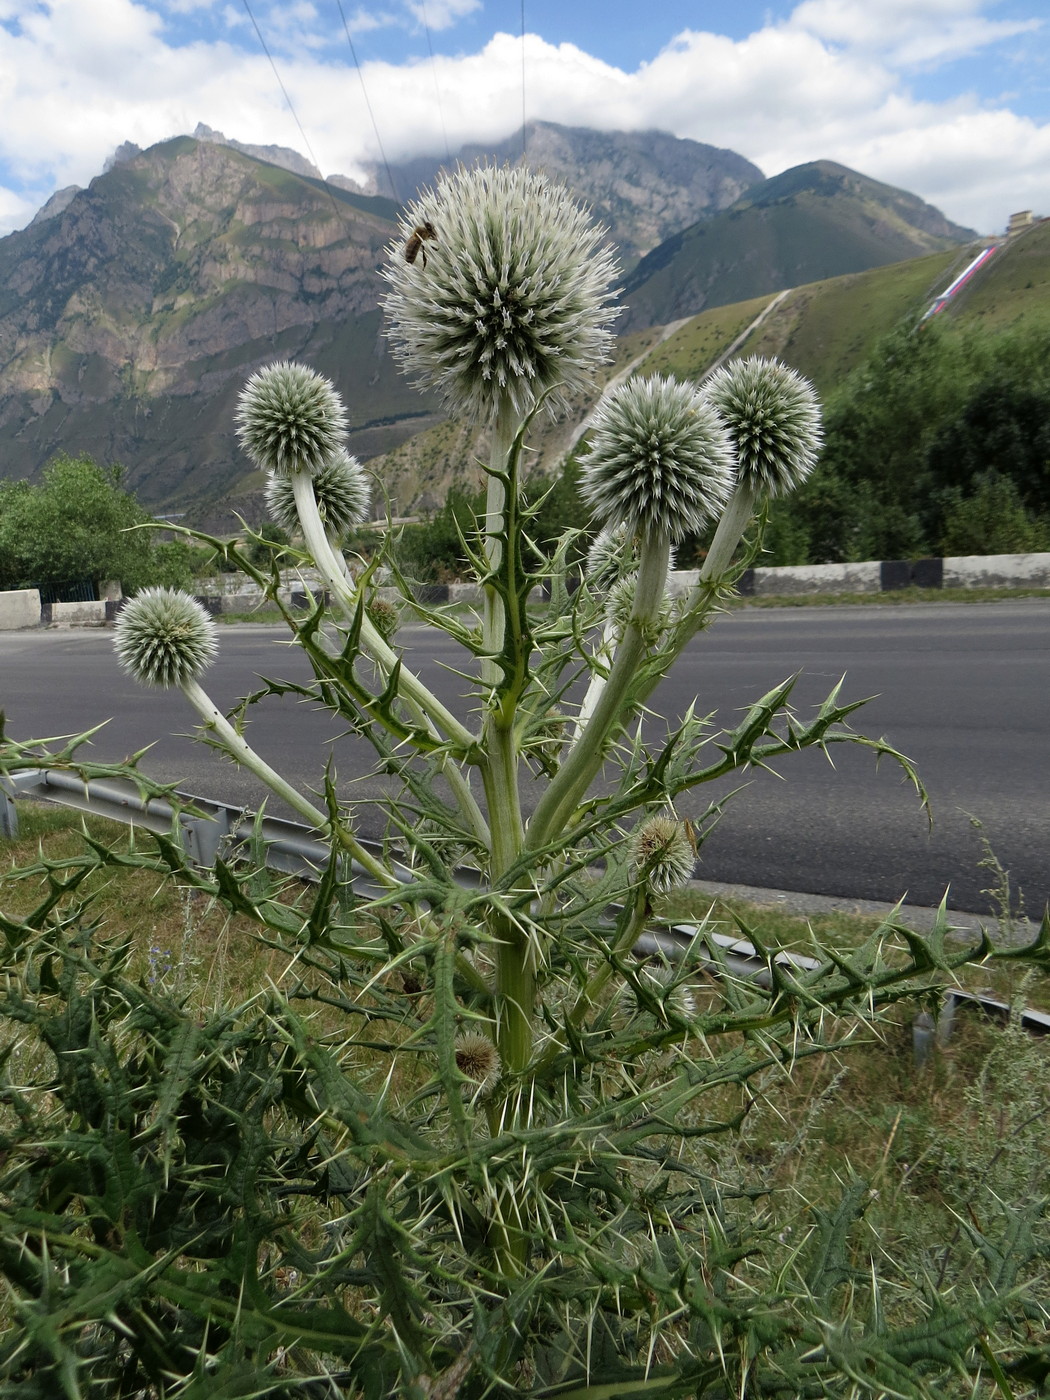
column 331, row 568
column 426, row 712
column 515, row 977
column 588, row 751
column 238, row 749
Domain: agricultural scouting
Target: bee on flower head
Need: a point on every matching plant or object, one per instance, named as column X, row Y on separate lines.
column 414, row 245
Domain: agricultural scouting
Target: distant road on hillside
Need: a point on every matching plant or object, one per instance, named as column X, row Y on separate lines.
column 962, row 689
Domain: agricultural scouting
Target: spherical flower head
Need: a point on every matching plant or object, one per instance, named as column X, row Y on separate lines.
column 290, row 419
column 341, row 490
column 613, row 554
column 478, row 1059
column 508, row 296
column 619, row 606
column 773, row 416
column 660, row 460
column 164, row 637
column 662, row 853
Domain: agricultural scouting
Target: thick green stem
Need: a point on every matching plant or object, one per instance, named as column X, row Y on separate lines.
column 515, row 976
column 731, row 527
column 585, row 757
column 239, row 750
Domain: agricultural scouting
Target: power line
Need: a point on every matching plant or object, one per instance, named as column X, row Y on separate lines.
column 280, row 84
column 523, row 137
column 364, row 91
column 437, row 89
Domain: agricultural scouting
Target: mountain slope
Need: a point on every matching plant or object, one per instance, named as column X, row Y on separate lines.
column 130, row 320
column 815, row 221
column 643, row 185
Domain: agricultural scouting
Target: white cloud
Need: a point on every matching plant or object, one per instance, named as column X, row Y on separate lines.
column 442, row 14
column 907, row 33
column 77, row 80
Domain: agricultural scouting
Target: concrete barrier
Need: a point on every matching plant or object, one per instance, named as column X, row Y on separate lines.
column 997, row 571
column 19, row 607
column 78, row 614
column 815, row 578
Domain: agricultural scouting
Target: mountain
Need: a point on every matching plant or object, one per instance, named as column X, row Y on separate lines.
column 133, row 311
column 130, row 319
column 812, row 222
column 643, row 185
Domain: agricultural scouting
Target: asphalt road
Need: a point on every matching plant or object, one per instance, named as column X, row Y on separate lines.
column 964, row 690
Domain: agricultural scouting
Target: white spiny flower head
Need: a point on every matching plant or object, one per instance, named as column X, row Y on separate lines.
column 662, row 853
column 290, row 419
column 341, row 489
column 660, row 460
column 507, row 298
column 619, row 605
column 773, row 416
column 164, row 637
column 612, row 555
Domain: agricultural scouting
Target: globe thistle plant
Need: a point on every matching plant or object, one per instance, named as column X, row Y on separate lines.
column 507, row 300
column 660, row 460
column 341, row 491
column 165, row 638
column 290, row 420
column 773, row 417
column 662, row 853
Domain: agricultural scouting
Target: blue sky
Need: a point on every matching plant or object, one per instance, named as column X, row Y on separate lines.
column 948, row 98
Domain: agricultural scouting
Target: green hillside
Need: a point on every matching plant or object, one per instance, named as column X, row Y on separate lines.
column 1014, row 290
column 823, row 329
column 814, row 222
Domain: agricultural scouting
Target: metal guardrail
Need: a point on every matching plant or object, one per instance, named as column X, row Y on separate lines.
column 217, row 827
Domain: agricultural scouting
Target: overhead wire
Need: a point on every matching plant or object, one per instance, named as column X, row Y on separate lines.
column 368, row 104
column 280, row 84
column 524, row 152
column 437, row 88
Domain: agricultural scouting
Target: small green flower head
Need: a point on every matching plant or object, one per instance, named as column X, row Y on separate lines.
column 506, row 298
column 341, row 489
column 613, row 554
column 660, row 460
column 662, row 853
column 478, row 1059
column 290, row 419
column 619, row 605
column 384, row 616
column 773, row 416
column 164, row 637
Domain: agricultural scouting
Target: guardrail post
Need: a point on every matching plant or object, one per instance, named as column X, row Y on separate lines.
column 8, row 812
column 204, row 836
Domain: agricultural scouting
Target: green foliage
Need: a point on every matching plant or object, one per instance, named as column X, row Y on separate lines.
column 178, row 563
column 259, row 551
column 992, row 519
column 433, row 551
column 937, row 444
column 77, row 524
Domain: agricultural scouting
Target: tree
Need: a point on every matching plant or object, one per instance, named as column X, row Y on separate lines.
column 77, row 524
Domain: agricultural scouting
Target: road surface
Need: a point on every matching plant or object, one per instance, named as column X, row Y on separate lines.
column 964, row 690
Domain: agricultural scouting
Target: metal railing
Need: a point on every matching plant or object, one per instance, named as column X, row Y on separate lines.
column 212, row 828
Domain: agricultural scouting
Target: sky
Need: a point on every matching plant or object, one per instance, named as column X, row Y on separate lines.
column 947, row 98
